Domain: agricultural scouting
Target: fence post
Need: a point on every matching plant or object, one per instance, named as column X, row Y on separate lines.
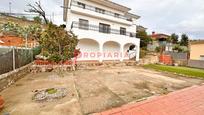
column 31, row 54
column 14, row 60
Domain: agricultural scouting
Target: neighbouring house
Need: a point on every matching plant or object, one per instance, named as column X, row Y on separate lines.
column 196, row 54
column 106, row 30
column 158, row 40
column 197, row 50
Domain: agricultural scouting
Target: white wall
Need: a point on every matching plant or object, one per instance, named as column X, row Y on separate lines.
column 101, row 38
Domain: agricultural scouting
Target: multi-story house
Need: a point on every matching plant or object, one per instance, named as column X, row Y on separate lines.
column 106, row 30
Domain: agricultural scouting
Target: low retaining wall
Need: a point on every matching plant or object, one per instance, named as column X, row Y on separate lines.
column 8, row 79
column 49, row 68
column 196, row 63
column 149, row 59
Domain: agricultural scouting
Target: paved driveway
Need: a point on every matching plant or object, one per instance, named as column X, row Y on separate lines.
column 90, row 91
column 189, row 101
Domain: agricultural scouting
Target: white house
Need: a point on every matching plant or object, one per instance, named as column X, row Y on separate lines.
column 106, row 30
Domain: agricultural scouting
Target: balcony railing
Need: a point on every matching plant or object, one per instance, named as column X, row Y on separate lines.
column 102, row 30
column 92, row 8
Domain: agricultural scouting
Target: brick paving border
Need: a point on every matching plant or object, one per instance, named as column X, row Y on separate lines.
column 189, row 101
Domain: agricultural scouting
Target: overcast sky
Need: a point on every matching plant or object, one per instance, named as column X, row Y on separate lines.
column 163, row 16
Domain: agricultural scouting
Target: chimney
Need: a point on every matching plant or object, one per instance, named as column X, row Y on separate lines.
column 153, row 33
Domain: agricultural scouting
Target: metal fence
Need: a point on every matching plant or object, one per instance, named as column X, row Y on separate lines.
column 12, row 58
column 178, row 56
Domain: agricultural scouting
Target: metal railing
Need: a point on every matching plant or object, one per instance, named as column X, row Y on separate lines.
column 92, row 8
column 101, row 30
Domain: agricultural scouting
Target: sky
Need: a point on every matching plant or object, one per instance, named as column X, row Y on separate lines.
column 161, row 16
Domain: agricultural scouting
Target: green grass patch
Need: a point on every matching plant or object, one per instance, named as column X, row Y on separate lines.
column 51, row 91
column 193, row 72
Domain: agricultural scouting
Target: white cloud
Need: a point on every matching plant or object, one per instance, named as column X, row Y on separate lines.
column 169, row 16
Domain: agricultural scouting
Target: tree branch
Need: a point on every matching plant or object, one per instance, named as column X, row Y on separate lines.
column 36, row 8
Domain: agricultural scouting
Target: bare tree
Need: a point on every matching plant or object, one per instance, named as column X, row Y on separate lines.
column 37, row 8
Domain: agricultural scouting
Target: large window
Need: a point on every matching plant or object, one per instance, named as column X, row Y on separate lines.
column 83, row 24
column 104, row 28
column 122, row 31
column 100, row 10
column 81, row 5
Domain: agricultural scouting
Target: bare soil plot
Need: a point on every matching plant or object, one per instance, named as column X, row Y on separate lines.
column 92, row 90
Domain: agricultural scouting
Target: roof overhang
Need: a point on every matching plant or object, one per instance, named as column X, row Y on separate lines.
column 133, row 15
column 111, row 4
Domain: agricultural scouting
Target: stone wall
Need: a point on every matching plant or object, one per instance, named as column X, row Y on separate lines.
column 8, row 79
column 196, row 63
column 149, row 59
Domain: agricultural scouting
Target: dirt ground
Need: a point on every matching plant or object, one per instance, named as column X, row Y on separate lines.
column 93, row 90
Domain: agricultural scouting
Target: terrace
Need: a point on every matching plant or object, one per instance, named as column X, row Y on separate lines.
column 90, row 90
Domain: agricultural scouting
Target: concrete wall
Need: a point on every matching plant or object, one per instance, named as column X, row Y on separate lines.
column 196, row 63
column 196, row 51
column 9, row 78
column 101, row 39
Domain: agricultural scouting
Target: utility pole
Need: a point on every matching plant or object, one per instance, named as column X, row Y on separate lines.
column 53, row 17
column 10, row 7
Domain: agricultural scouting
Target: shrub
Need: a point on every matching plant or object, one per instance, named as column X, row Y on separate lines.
column 178, row 48
column 11, row 29
column 31, row 31
column 143, row 53
column 37, row 51
column 58, row 43
column 55, row 58
column 158, row 49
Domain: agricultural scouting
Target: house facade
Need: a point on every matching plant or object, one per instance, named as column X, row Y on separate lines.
column 106, row 30
column 196, row 50
column 159, row 40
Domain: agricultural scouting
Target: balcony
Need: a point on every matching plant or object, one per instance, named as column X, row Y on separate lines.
column 96, row 12
column 100, row 29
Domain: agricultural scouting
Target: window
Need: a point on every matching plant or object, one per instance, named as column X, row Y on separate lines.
column 129, row 19
column 100, row 10
column 116, row 15
column 81, row 5
column 104, row 28
column 202, row 57
column 132, row 35
column 83, row 24
column 122, row 31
